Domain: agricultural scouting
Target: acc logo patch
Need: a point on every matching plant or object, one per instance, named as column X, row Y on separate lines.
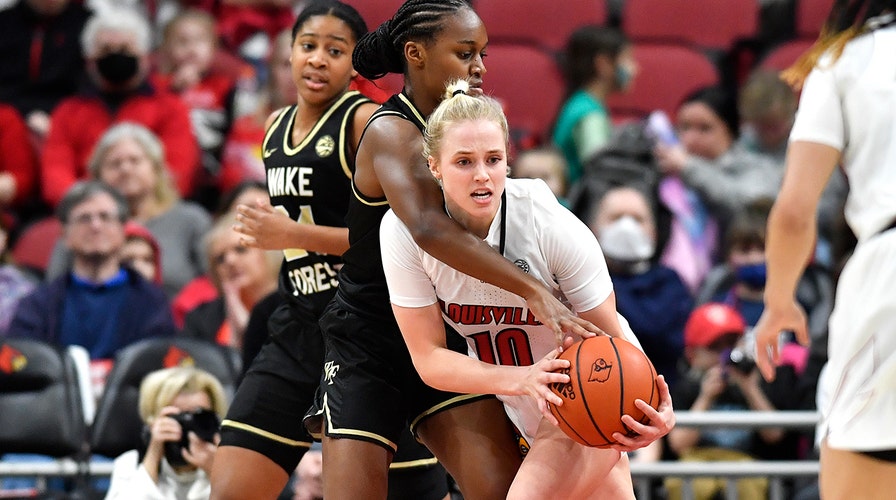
column 11, row 360
column 600, row 371
column 522, row 264
column 325, row 146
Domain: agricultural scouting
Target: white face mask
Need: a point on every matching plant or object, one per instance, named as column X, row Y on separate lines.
column 625, row 240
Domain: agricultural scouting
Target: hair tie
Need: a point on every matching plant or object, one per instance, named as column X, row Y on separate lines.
column 458, row 91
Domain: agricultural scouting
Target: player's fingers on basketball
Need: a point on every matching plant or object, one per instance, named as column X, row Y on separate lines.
column 554, row 377
column 649, row 432
column 665, row 394
column 662, row 420
column 585, row 328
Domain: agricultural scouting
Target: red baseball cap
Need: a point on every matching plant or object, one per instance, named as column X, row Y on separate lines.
column 710, row 322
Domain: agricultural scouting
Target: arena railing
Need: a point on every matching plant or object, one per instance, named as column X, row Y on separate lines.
column 644, row 474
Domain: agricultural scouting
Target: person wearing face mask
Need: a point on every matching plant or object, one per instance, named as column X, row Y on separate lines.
column 598, row 62
column 740, row 280
column 116, row 44
column 650, row 295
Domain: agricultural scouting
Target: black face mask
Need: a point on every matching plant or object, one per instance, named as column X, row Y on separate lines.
column 117, row 67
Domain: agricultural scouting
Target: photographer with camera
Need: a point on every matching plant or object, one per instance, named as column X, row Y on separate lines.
column 720, row 375
column 181, row 409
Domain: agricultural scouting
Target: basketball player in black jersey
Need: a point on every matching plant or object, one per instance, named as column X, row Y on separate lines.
column 308, row 154
column 370, row 388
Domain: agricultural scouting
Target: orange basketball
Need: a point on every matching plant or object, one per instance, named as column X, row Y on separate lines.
column 607, row 375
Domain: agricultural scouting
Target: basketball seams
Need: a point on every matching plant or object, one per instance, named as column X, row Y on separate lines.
column 585, row 404
column 584, row 423
column 558, row 414
column 621, row 382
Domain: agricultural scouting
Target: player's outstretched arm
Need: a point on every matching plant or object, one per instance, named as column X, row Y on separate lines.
column 264, row 226
column 395, row 150
column 424, row 333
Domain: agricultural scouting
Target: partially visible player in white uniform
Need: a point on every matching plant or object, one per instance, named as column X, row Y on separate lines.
column 847, row 117
column 511, row 354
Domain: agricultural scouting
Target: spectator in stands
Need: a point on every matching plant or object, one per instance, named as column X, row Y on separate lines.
column 202, row 288
column 650, row 295
column 150, row 474
column 116, row 46
column 131, row 159
column 243, row 276
column 18, row 164
column 186, row 60
column 708, row 178
column 720, row 376
column 598, row 62
column 141, row 252
column 14, row 282
column 242, row 151
column 41, row 54
column 545, row 163
column 309, row 483
column 740, row 280
column 767, row 107
column 708, row 159
column 98, row 303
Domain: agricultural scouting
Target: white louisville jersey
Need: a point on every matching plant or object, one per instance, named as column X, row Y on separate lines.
column 542, row 238
column 850, row 105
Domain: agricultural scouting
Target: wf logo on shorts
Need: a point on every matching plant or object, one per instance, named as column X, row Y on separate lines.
column 330, row 369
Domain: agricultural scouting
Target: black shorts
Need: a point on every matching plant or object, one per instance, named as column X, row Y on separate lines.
column 415, row 474
column 370, row 389
column 267, row 410
column 885, row 455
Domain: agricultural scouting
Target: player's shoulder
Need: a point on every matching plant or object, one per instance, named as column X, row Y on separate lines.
column 533, row 191
column 391, row 225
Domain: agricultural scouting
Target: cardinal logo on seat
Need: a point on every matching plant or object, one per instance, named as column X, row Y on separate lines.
column 11, row 360
column 177, row 357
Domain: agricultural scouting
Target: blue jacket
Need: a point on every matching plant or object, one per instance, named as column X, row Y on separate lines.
column 146, row 313
column 657, row 305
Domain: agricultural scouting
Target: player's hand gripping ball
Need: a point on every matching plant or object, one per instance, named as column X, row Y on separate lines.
column 607, row 375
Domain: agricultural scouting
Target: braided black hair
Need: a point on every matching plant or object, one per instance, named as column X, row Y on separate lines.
column 382, row 51
column 342, row 11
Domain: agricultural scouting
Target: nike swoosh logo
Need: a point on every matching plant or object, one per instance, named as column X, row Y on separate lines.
column 269, row 152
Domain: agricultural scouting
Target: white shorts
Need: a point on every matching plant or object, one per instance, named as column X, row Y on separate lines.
column 858, row 393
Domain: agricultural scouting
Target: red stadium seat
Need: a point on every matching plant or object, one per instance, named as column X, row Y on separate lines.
column 666, row 74
column 782, row 56
column 810, row 17
column 715, row 24
column 528, row 83
column 34, row 246
column 375, row 12
column 542, row 23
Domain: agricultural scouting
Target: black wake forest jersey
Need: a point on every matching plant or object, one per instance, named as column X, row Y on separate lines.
column 311, row 182
column 362, row 283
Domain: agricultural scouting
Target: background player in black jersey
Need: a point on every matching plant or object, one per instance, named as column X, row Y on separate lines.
column 308, row 154
column 370, row 385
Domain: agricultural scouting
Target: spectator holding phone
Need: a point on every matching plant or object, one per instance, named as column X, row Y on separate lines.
column 181, row 408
